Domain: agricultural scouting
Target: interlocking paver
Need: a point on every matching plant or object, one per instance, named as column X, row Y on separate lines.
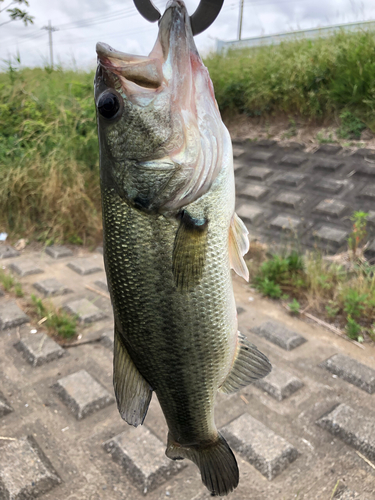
column 278, row 334
column 26, row 267
column 5, row 407
column 259, row 173
column 237, row 151
column 82, row 394
column 260, row 155
column 365, row 153
column 25, row 471
column 368, row 192
column 107, row 338
column 327, row 164
column 330, row 185
column 354, row 426
column 365, row 169
column 292, row 179
column 371, row 217
column 11, row 315
column 286, row 223
column 331, row 235
column 293, row 160
column 279, row 384
column 102, row 284
column 328, row 149
column 51, row 287
column 250, row 213
column 332, row 207
column 269, row 453
column 253, row 192
column 7, row 252
column 288, row 199
column 58, row 251
column 84, row 266
column 352, row 371
column 39, row 349
column 370, row 249
column 266, row 143
column 142, row 455
column 86, row 311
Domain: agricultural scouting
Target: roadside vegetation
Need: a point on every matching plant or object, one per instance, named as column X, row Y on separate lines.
column 339, row 289
column 320, row 79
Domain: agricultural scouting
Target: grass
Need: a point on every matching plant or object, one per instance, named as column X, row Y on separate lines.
column 10, row 284
column 325, row 78
column 57, row 322
column 332, row 291
column 49, row 178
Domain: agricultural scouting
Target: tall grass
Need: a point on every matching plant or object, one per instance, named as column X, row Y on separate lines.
column 316, row 79
column 49, row 175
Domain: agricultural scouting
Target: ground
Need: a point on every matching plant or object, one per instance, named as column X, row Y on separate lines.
column 306, row 432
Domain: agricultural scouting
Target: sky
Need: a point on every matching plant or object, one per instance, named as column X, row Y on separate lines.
column 80, row 24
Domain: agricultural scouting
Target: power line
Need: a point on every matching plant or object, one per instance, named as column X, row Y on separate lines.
column 50, row 30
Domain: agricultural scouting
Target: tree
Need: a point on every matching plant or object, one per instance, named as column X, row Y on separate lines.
column 17, row 14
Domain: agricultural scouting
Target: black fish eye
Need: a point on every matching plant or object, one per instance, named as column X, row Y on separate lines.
column 108, row 104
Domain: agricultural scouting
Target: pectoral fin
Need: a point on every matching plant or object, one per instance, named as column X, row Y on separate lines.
column 238, row 246
column 189, row 251
column 249, row 365
column 133, row 393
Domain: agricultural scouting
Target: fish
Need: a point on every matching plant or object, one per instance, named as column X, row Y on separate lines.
column 170, row 239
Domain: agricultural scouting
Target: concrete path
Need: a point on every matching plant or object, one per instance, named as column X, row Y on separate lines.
column 307, row 427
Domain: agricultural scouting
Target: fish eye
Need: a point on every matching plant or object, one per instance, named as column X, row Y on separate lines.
column 108, row 105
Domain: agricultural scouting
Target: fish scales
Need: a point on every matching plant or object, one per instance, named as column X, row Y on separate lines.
column 171, row 237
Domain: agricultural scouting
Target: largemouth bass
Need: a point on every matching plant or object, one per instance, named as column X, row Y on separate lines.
column 171, row 237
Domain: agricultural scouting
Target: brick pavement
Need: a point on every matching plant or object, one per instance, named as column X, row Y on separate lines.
column 284, row 190
column 295, row 433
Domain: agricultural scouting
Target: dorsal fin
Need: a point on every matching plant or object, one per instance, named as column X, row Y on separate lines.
column 238, row 246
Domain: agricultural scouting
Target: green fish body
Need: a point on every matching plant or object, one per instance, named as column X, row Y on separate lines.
column 170, row 239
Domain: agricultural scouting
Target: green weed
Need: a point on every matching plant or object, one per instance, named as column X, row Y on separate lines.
column 57, row 322
column 359, row 231
column 351, row 126
column 295, row 307
column 10, row 284
column 354, row 303
column 353, row 329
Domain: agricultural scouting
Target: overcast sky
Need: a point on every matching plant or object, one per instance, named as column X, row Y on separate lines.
column 82, row 23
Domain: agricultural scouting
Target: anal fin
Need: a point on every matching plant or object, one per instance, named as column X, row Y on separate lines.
column 249, row 365
column 133, row 393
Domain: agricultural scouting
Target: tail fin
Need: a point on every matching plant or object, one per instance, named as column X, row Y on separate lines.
column 216, row 462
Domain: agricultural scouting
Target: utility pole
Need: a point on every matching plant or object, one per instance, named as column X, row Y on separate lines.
column 50, row 29
column 240, row 20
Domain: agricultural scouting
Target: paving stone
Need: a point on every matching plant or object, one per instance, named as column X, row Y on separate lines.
column 293, row 179
column 82, row 394
column 51, row 287
column 237, row 151
column 293, row 160
column 11, row 315
column 331, row 207
column 367, row 169
column 253, row 192
column 260, row 156
column 99, row 249
column 365, row 153
column 368, row 192
column 288, row 199
column 143, row 457
column 331, row 235
column 25, row 471
column 86, row 311
column 286, row 223
column 370, row 249
column 102, row 284
column 266, row 143
column 269, row 453
column 39, row 349
column 355, row 427
column 329, row 149
column 371, row 218
column 259, row 173
column 250, row 213
column 84, row 266
column 352, row 371
column 293, row 146
column 279, row 384
column 25, row 267
column 5, row 408
column 330, row 185
column 6, row 252
column 240, row 310
column 1, row 293
column 58, row 251
column 278, row 334
column 328, row 164
column 107, row 338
